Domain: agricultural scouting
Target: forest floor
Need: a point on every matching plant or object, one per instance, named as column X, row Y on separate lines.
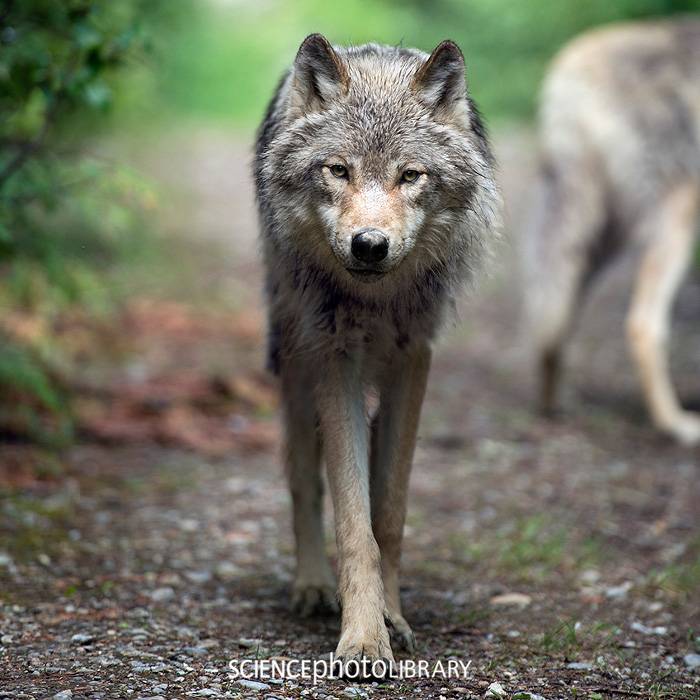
column 557, row 560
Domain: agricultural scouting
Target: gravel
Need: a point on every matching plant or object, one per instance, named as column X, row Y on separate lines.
column 692, row 660
column 156, row 554
column 162, row 595
column 253, row 685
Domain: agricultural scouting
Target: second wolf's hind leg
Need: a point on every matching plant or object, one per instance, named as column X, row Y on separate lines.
column 661, row 272
column 314, row 585
column 393, row 441
column 563, row 252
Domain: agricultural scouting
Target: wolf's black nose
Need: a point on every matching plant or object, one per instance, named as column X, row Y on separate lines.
column 369, row 245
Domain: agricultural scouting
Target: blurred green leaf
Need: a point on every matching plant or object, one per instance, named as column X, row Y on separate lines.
column 28, row 121
column 86, row 36
column 21, row 373
column 98, row 94
column 5, row 235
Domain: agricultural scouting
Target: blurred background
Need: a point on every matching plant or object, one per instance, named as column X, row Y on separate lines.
column 127, row 131
column 132, row 343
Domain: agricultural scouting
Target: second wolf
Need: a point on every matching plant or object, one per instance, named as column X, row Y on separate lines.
column 376, row 196
column 620, row 137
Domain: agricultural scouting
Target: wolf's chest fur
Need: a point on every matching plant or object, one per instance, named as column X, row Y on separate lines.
column 313, row 314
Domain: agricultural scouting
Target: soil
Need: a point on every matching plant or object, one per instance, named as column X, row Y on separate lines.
column 558, row 559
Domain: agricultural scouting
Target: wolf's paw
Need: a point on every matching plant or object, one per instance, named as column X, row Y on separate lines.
column 684, row 427
column 365, row 658
column 400, row 633
column 312, row 599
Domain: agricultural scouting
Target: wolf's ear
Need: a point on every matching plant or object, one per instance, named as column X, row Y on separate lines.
column 319, row 75
column 440, row 81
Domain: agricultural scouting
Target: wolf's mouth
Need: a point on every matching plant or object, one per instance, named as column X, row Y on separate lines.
column 365, row 275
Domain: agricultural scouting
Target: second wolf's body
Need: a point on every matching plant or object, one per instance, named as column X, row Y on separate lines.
column 620, row 166
column 376, row 197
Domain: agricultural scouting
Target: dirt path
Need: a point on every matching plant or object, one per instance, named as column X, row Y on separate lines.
column 148, row 569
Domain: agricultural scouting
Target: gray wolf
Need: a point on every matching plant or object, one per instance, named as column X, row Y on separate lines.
column 620, row 169
column 376, row 198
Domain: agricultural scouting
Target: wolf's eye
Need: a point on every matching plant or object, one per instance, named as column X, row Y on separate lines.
column 409, row 175
column 338, row 170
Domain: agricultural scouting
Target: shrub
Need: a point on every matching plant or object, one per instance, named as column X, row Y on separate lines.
column 62, row 215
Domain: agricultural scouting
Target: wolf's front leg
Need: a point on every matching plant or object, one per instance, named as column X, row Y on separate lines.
column 314, row 584
column 344, row 428
column 393, row 442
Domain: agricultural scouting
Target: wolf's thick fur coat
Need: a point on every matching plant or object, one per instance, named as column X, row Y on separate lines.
column 387, row 140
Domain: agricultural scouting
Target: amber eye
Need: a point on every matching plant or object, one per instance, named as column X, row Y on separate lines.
column 410, row 176
column 338, row 170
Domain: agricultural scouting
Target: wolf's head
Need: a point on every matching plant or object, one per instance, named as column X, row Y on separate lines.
column 381, row 159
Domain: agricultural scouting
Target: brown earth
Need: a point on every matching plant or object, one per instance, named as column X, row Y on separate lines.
column 161, row 549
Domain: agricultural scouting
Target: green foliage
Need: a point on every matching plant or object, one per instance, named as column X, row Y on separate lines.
column 18, row 371
column 226, row 59
column 31, row 403
column 59, row 263
column 63, row 216
column 56, row 61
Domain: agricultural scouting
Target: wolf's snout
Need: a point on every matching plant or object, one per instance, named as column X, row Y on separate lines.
column 369, row 245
